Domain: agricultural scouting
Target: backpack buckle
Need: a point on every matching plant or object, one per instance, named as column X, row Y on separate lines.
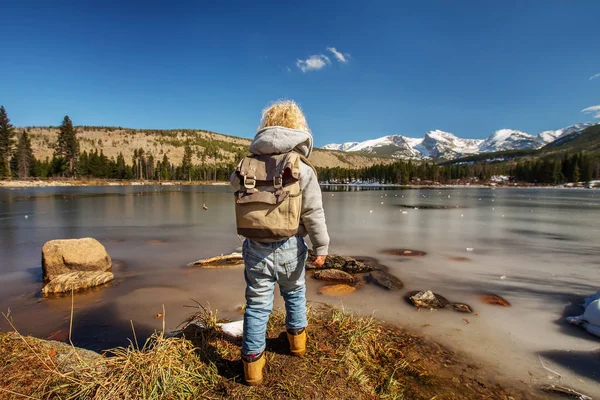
column 278, row 182
column 249, row 182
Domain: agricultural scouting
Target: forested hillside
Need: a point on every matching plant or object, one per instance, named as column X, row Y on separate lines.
column 207, row 148
column 121, row 153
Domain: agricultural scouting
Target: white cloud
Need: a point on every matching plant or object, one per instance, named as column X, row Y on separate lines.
column 313, row 63
column 320, row 61
column 595, row 110
column 595, row 76
column 343, row 58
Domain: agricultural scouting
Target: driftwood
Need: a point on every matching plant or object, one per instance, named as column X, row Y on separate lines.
column 222, row 261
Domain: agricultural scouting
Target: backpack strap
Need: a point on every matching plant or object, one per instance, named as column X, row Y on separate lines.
column 305, row 161
column 246, row 172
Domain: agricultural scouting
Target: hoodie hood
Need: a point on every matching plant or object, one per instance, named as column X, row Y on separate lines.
column 279, row 140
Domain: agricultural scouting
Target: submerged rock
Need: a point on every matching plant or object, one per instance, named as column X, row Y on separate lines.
column 460, row 307
column 404, row 252
column 386, row 280
column 335, row 275
column 428, row 299
column 494, row 300
column 77, row 281
column 458, row 259
column 337, row 290
column 73, row 255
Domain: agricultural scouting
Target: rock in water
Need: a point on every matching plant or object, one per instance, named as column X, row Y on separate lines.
column 494, row 300
column 337, row 290
column 386, row 280
column 335, row 275
column 77, row 281
column 346, row 264
column 460, row 307
column 428, row 299
column 73, row 255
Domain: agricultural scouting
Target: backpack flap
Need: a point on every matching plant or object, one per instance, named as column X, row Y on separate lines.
column 262, row 197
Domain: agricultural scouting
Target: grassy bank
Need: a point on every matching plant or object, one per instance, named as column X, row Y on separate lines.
column 348, row 357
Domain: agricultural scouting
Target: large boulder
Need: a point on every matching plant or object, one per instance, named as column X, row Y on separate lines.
column 73, row 255
column 74, row 264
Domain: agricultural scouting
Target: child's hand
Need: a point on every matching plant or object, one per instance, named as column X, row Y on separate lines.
column 319, row 261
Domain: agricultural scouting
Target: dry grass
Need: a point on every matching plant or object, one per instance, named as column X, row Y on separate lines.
column 348, row 357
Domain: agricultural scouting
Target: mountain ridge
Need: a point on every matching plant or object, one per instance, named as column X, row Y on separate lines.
column 438, row 144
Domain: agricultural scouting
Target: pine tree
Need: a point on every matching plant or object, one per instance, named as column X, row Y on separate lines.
column 121, row 170
column 67, row 146
column 186, row 163
column 83, row 166
column 6, row 136
column 165, row 165
column 576, row 175
column 24, row 157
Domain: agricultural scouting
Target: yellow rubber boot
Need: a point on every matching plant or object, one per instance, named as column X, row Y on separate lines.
column 297, row 343
column 253, row 371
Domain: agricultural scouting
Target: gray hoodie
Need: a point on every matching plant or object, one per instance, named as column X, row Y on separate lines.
column 278, row 140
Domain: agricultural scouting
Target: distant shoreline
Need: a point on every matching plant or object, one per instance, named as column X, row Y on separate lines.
column 100, row 182
column 34, row 183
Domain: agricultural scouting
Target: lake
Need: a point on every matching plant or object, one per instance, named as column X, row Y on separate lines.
column 538, row 248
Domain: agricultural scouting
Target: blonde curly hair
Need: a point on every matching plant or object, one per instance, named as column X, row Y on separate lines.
column 284, row 113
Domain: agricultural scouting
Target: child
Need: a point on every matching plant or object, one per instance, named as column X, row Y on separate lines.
column 270, row 258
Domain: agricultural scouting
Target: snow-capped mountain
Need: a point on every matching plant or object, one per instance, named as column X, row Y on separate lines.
column 435, row 144
column 546, row 137
column 508, row 139
column 438, row 144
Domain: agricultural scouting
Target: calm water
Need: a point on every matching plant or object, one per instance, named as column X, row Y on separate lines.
column 538, row 248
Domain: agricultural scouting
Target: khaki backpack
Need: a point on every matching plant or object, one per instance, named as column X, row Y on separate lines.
column 269, row 202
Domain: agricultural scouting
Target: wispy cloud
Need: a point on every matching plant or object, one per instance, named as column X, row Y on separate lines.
column 343, row 58
column 595, row 76
column 313, row 63
column 594, row 110
column 320, row 61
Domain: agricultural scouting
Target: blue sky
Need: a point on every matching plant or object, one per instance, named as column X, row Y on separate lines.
column 467, row 67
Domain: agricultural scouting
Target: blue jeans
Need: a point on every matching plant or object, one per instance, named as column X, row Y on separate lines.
column 266, row 264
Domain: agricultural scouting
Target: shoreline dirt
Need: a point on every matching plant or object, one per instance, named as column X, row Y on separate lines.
column 348, row 357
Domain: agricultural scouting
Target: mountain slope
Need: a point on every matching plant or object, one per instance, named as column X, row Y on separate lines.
column 508, row 139
column 442, row 145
